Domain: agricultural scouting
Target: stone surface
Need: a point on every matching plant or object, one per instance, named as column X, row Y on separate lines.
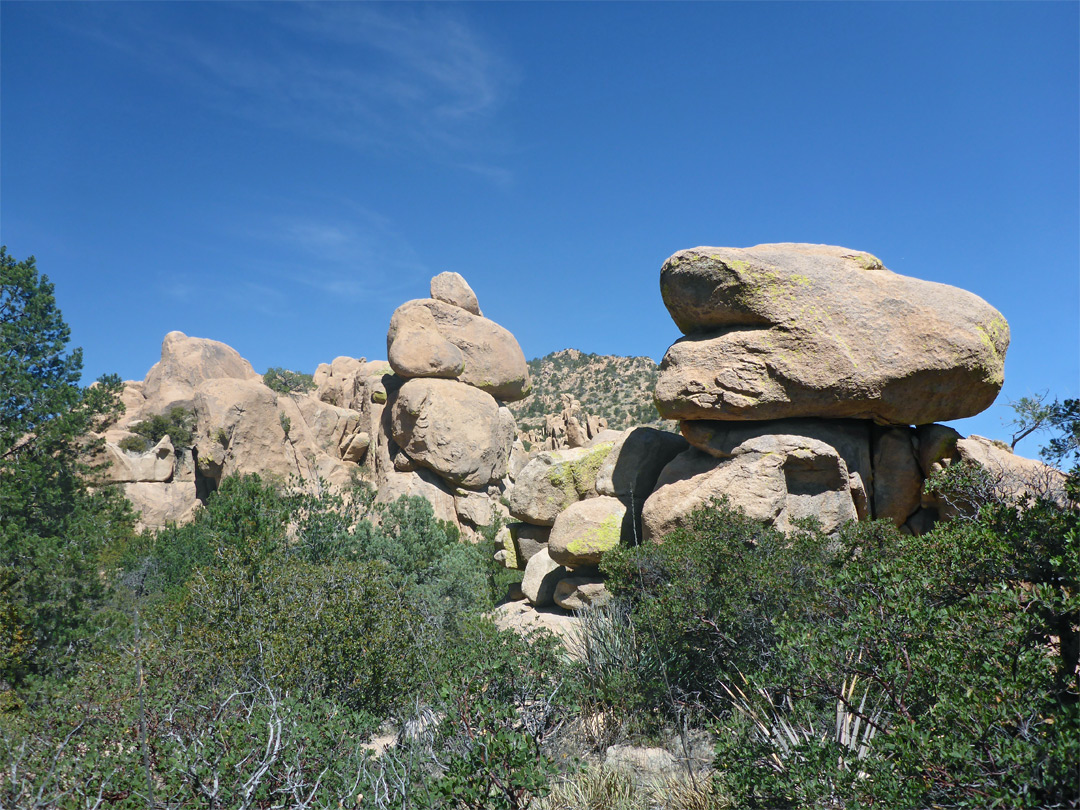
column 420, row 351
column 453, row 429
column 791, row 330
column 577, row 593
column 937, row 447
column 774, row 479
column 354, row 448
column 522, row 542
column 898, row 492
column 585, row 530
column 542, row 574
column 330, row 425
column 156, row 464
column 159, row 504
column 493, row 361
column 635, row 461
column 475, row 508
column 850, row 438
column 452, row 288
column 1014, row 477
column 555, row 479
column 526, row 620
column 185, row 363
column 421, row 483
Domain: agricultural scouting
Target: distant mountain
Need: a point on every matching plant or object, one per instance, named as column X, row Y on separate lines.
column 620, row 389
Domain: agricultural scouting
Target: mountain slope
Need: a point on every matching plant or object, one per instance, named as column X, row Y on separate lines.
column 620, row 389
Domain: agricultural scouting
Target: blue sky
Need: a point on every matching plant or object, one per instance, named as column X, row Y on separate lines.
column 281, row 176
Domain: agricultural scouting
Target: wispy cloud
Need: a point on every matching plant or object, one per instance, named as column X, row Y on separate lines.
column 391, row 78
column 353, row 256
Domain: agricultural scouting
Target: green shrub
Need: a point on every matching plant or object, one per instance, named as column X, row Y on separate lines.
column 134, row 444
column 706, row 598
column 283, row 381
column 176, row 424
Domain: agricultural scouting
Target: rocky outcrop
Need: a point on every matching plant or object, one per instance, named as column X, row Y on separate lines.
column 569, row 428
column 553, row 480
column 787, row 330
column 237, row 425
column 185, row 364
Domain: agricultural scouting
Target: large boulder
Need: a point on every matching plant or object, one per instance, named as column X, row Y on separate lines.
column 850, row 438
column 492, row 360
column 585, row 530
column 784, row 330
column 554, row 480
column 160, row 503
column 542, row 574
column 185, row 363
column 458, row 431
column 776, row 479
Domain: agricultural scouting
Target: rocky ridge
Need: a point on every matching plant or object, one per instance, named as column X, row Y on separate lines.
column 788, row 405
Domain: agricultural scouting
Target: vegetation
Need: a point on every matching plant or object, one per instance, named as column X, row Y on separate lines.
column 618, row 389
column 284, row 381
column 176, row 424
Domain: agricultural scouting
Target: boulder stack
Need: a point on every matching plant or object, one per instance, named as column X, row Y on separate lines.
column 801, row 373
column 453, row 372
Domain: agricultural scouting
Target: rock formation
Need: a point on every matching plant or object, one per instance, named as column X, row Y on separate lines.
column 806, row 386
column 833, row 358
column 776, row 331
column 238, row 425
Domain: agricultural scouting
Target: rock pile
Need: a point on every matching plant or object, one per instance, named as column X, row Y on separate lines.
column 446, row 432
column 807, row 384
column 802, row 371
column 575, row 504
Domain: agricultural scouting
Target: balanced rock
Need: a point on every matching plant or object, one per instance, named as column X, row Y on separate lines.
column 585, row 530
column 458, row 431
column 452, row 288
column 784, row 330
column 555, row 479
column 492, row 360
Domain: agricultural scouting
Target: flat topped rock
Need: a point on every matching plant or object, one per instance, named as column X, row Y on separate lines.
column 790, row 330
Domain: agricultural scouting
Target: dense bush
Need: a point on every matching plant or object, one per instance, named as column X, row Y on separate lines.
column 283, row 381
column 176, row 424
